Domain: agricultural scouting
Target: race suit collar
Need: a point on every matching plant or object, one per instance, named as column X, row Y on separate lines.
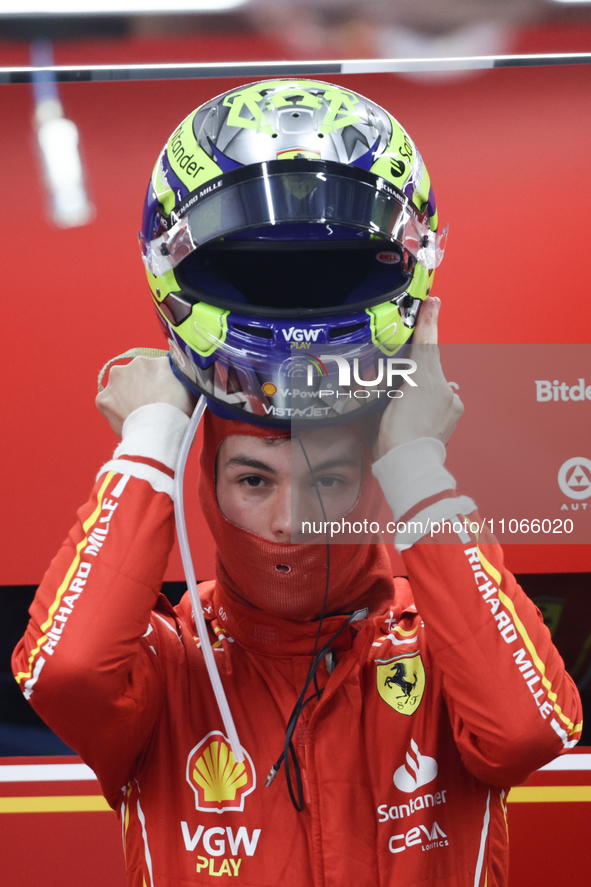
column 265, row 633
column 269, row 635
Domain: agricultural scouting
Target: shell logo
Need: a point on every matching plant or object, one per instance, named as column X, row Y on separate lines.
column 219, row 781
column 269, row 389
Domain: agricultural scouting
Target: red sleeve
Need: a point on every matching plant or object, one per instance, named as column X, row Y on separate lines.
column 82, row 662
column 512, row 705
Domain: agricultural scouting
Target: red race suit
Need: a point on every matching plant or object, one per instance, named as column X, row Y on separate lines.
column 436, row 706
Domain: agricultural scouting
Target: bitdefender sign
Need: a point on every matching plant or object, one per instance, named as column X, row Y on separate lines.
column 561, row 391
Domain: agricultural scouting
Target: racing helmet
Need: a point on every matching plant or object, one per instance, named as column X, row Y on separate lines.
column 289, row 235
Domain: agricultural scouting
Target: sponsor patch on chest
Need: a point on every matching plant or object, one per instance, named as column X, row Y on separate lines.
column 219, row 781
column 401, row 682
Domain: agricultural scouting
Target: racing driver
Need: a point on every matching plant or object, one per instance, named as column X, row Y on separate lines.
column 382, row 721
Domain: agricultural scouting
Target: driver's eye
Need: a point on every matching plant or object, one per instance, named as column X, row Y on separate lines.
column 254, row 480
column 328, row 481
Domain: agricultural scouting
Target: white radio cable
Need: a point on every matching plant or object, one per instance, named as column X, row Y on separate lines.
column 181, row 529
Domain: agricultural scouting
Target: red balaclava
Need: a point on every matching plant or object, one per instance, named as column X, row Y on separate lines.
column 246, row 564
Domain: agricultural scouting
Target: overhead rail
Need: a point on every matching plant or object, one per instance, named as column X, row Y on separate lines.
column 263, row 69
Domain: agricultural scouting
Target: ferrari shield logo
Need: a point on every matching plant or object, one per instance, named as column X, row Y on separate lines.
column 401, row 682
column 298, row 154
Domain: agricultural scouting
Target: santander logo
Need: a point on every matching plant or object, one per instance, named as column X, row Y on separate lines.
column 418, row 770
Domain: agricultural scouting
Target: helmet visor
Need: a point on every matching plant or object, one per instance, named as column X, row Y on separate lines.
column 295, row 192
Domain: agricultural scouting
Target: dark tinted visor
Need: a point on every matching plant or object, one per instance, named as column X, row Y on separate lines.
column 294, row 278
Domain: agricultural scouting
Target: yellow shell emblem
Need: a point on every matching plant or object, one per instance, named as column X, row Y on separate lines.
column 219, row 781
column 401, row 682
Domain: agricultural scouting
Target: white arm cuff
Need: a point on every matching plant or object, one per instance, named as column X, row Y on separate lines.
column 412, row 472
column 154, row 431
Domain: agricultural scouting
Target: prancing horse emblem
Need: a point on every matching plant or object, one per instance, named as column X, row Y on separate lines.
column 401, row 682
column 398, row 676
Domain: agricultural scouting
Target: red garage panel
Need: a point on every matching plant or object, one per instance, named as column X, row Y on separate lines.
column 508, row 153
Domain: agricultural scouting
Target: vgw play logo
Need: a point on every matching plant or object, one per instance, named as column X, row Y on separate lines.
column 300, row 338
